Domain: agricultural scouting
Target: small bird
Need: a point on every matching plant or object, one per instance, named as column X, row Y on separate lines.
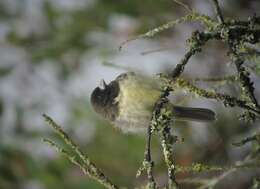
column 128, row 103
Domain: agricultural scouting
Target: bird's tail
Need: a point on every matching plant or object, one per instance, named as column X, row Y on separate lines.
column 193, row 114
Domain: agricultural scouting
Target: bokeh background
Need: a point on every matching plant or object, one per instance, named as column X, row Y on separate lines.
column 54, row 52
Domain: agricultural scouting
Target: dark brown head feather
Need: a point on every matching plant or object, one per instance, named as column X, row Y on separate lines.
column 103, row 100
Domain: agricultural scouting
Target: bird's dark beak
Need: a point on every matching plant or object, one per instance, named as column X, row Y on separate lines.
column 102, row 84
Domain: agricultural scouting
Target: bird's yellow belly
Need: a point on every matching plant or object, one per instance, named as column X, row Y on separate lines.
column 136, row 102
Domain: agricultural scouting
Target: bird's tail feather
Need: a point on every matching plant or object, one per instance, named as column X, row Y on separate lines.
column 193, row 114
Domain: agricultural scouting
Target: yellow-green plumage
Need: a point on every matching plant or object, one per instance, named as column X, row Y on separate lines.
column 136, row 101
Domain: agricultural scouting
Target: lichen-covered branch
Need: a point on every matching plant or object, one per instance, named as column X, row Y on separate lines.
column 245, row 82
column 85, row 164
column 246, row 164
column 71, row 158
column 147, row 163
column 227, row 100
column 167, row 145
column 161, row 122
column 196, row 41
column 199, row 167
column 193, row 16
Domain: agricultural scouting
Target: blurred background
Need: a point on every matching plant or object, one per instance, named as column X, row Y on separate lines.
column 54, row 52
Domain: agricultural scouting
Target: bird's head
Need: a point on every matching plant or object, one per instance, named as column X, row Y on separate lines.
column 103, row 99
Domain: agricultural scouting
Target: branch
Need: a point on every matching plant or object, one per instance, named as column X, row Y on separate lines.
column 86, row 165
column 161, row 122
column 255, row 137
column 64, row 152
column 206, row 21
column 229, row 78
column 196, row 41
column 147, row 162
column 245, row 82
column 166, row 142
column 226, row 99
column 199, row 167
column 218, row 11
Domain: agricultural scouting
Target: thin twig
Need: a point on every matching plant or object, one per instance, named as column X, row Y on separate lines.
column 199, row 167
column 218, row 11
column 71, row 158
column 196, row 42
column 255, row 137
column 213, row 182
column 180, row 67
column 148, row 157
column 93, row 171
column 230, row 78
column 193, row 16
column 187, row 7
column 148, row 52
column 147, row 162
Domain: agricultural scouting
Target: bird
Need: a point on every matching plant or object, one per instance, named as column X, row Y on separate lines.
column 128, row 102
